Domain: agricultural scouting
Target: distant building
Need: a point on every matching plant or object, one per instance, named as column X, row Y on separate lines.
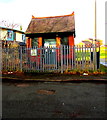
column 90, row 42
column 51, row 31
column 8, row 36
column 87, row 43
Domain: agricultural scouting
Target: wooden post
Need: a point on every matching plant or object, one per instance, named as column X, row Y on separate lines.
column 39, row 52
column 29, row 42
column 58, row 41
column 71, row 40
column 39, row 42
column 71, row 44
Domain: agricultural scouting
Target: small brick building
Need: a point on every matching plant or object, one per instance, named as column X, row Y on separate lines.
column 51, row 31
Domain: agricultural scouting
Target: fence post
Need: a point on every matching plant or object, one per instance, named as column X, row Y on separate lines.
column 61, row 50
column 98, row 57
column 20, row 58
column 95, row 58
column 1, row 60
column 74, row 57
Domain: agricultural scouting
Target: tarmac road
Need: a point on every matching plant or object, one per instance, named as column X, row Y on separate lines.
column 53, row 100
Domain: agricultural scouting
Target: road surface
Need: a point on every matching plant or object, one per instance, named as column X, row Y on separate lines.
column 53, row 100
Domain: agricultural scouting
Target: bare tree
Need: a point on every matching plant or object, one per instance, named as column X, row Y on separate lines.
column 8, row 24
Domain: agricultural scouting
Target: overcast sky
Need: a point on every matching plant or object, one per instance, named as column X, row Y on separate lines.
column 21, row 11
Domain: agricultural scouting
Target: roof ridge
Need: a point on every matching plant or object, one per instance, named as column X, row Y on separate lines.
column 33, row 17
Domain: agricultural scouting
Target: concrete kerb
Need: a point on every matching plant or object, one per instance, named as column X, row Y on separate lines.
column 9, row 79
column 50, row 77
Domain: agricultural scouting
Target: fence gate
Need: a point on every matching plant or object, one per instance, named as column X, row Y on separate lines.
column 51, row 59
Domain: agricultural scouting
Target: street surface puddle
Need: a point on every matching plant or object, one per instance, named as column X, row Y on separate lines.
column 46, row 92
column 22, row 85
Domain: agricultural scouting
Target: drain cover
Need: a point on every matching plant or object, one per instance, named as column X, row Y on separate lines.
column 22, row 85
column 47, row 92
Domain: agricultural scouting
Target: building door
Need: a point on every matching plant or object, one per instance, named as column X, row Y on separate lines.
column 50, row 52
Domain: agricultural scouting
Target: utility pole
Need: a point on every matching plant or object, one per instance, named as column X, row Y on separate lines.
column 95, row 23
column 95, row 52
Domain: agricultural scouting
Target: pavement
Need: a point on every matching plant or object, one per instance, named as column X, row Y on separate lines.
column 52, row 77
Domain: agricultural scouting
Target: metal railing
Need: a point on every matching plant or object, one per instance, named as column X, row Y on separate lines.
column 50, row 59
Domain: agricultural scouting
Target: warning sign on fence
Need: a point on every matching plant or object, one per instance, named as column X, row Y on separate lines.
column 34, row 52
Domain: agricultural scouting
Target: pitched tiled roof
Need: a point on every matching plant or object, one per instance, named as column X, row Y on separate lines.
column 65, row 23
column 86, row 42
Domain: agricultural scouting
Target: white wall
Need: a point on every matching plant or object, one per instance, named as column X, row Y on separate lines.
column 19, row 37
column 3, row 35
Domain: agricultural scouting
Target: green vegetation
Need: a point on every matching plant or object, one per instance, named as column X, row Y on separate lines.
column 82, row 55
column 103, row 68
column 86, row 54
column 103, row 52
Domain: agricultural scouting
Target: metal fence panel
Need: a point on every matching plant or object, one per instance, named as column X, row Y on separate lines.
column 50, row 59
